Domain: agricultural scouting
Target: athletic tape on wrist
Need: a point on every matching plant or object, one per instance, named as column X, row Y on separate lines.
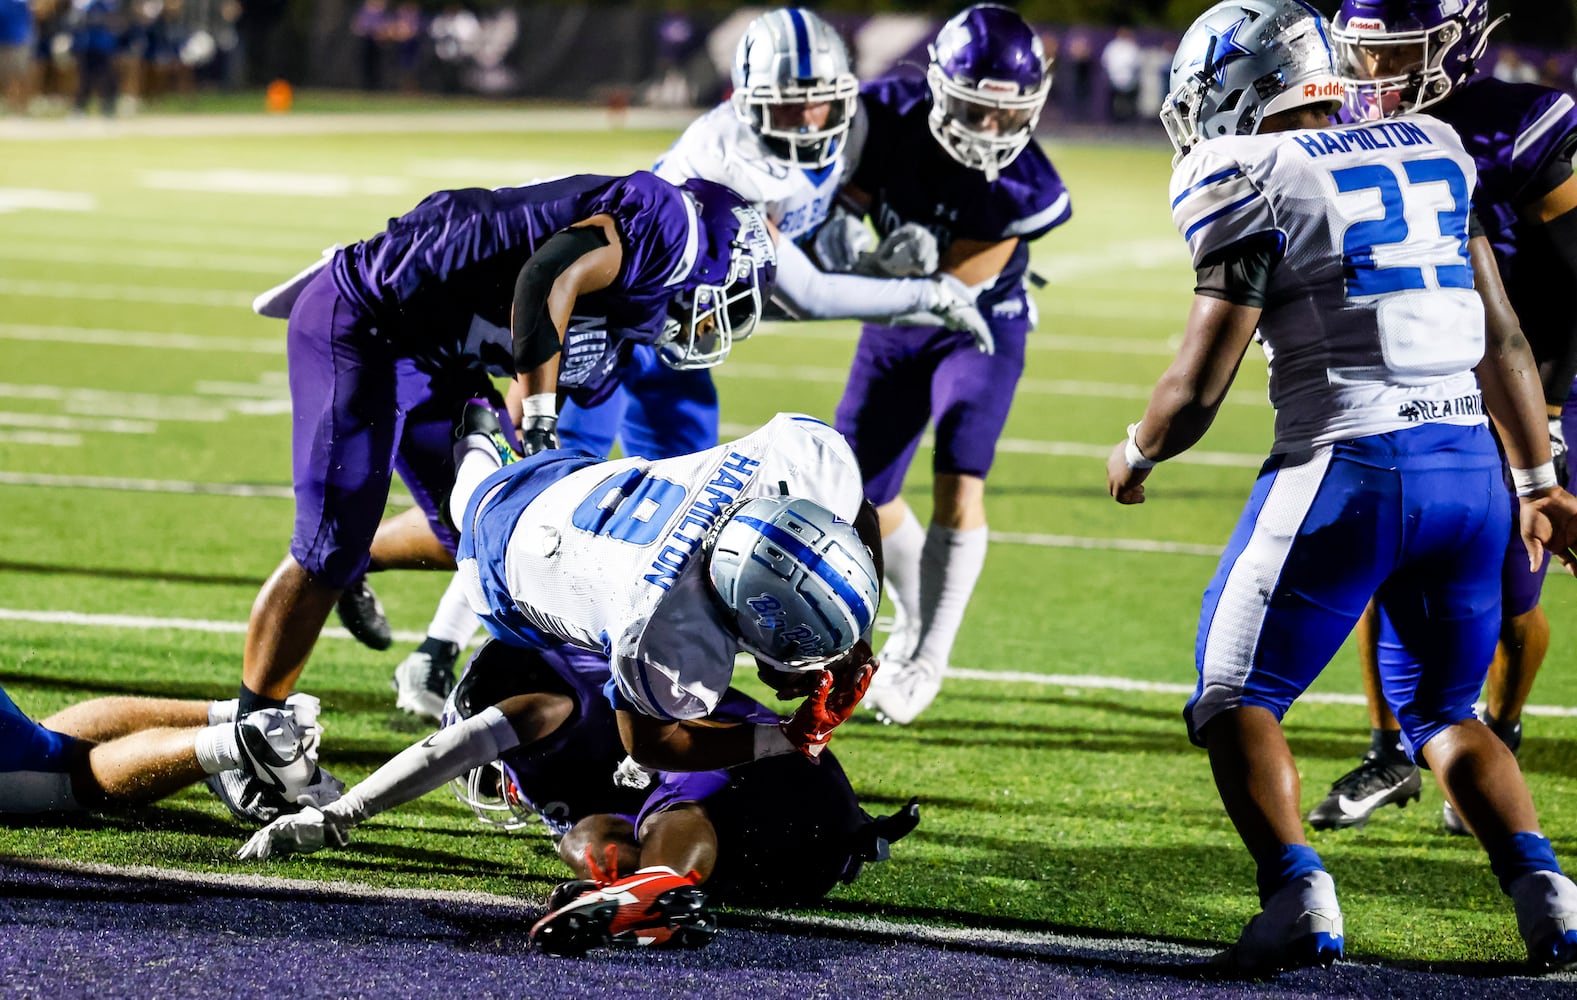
column 1131, row 453
column 1530, row 481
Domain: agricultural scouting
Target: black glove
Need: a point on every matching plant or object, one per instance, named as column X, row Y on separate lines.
column 539, row 434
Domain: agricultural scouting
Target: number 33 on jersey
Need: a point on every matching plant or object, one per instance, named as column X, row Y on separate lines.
column 1376, row 309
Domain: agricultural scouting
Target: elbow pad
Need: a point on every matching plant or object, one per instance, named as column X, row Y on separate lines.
column 533, row 337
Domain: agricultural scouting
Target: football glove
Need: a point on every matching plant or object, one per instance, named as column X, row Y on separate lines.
column 955, row 307
column 298, row 833
column 1558, row 450
column 539, row 433
column 827, row 708
column 910, row 251
column 841, row 241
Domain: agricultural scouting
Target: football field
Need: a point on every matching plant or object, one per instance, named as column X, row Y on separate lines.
column 145, row 490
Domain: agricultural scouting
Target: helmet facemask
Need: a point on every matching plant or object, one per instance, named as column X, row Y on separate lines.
column 801, row 124
column 701, row 330
column 1405, row 67
column 984, row 124
column 492, row 795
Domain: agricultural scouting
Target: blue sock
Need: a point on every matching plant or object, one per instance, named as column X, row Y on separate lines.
column 1295, row 860
column 1521, row 854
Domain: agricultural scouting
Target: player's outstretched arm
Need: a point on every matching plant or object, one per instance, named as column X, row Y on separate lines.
column 1514, row 396
column 410, row 774
column 1185, row 400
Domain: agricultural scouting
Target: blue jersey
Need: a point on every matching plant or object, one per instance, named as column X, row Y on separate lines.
column 441, row 278
column 910, row 178
column 1515, row 132
column 35, row 764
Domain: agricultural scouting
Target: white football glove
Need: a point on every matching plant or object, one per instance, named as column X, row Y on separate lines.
column 841, row 241
column 297, row 833
column 629, row 774
column 954, row 305
column 910, row 251
column 1559, row 452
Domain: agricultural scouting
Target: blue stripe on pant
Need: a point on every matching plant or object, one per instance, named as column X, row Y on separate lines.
column 1417, row 518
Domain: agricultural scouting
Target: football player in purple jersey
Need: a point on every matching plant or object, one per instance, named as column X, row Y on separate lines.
column 552, row 283
column 1401, row 56
column 949, row 156
column 529, row 734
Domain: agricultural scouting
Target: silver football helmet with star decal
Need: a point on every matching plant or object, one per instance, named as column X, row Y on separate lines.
column 1243, row 60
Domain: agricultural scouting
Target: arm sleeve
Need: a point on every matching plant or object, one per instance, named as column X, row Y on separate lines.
column 809, row 293
column 424, row 766
column 533, row 337
column 1241, row 274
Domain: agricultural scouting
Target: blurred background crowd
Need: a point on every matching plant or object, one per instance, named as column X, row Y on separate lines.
column 114, row 56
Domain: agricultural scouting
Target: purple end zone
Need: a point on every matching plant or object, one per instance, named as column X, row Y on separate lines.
column 69, row 934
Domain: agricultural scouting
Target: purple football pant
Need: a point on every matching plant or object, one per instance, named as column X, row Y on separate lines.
column 904, row 376
column 361, row 412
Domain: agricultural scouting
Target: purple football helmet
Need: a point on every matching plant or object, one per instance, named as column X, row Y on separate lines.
column 735, row 263
column 1399, row 56
column 989, row 80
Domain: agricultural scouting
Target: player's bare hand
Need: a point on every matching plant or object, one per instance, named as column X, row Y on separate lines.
column 1123, row 481
column 1549, row 523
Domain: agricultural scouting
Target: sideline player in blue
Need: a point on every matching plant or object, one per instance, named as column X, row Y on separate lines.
column 120, row 753
column 530, row 734
column 1402, row 56
column 1352, row 252
column 952, row 154
column 552, row 282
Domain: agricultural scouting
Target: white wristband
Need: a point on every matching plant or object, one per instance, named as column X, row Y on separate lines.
column 1131, row 453
column 771, row 741
column 542, row 404
column 1531, row 481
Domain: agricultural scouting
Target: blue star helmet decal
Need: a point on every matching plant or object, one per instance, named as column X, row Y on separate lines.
column 1224, row 50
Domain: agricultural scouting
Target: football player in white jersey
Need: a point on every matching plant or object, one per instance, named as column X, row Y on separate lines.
column 1351, row 251
column 786, row 142
column 673, row 567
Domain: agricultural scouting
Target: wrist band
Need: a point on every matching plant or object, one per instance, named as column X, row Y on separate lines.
column 771, row 741
column 1131, row 453
column 1530, row 481
column 542, row 404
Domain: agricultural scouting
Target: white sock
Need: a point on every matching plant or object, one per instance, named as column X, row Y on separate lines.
column 950, row 565
column 217, row 748
column 223, row 710
column 454, row 621
column 475, row 460
column 901, row 566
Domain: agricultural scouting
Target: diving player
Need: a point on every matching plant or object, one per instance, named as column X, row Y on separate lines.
column 1399, row 57
column 785, row 141
column 781, row 831
column 953, row 155
column 552, row 282
column 1351, row 252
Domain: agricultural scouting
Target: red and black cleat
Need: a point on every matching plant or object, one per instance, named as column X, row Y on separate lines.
column 655, row 907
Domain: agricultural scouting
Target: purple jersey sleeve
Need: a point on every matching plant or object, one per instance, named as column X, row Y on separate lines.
column 1513, row 131
column 658, row 226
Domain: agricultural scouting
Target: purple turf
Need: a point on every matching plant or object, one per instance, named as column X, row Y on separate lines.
column 67, row 934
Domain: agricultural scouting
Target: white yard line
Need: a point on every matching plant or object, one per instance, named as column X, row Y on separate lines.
column 151, row 340
column 216, row 297
column 117, row 255
column 1096, row 682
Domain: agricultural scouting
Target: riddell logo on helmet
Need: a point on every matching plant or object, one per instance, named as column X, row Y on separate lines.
column 1365, row 24
column 1330, row 88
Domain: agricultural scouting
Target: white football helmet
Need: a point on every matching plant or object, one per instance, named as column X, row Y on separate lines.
column 786, row 67
column 1243, row 60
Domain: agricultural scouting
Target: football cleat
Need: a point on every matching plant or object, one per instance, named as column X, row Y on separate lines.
column 273, row 750
column 1357, row 794
column 423, row 681
column 1300, row 927
column 655, row 907
column 361, row 613
column 901, row 690
column 1546, row 904
column 478, row 418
